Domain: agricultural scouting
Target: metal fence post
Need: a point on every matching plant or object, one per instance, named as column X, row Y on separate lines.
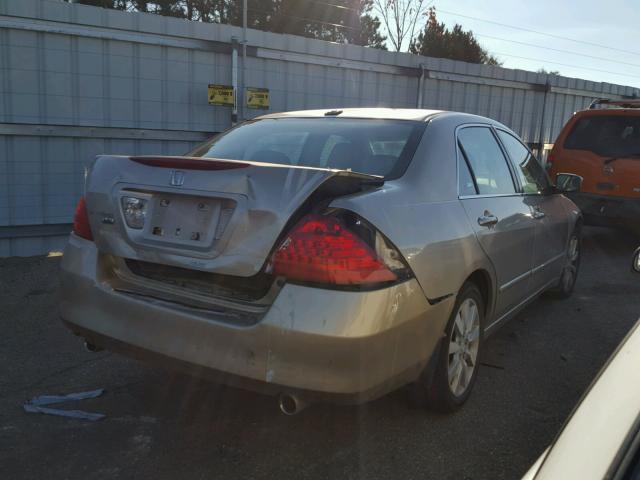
column 420, row 85
column 541, row 140
column 244, row 56
column 234, row 79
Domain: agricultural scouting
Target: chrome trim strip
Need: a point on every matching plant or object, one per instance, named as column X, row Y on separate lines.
column 520, row 305
column 533, row 271
column 548, row 262
column 466, row 197
column 513, row 281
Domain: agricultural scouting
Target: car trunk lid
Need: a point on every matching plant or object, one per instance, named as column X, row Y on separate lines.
column 212, row 215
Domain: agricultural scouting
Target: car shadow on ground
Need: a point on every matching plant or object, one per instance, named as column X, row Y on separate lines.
column 161, row 424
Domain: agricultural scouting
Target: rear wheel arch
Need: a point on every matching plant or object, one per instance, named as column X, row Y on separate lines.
column 481, row 279
column 579, row 223
column 419, row 392
column 575, row 227
column 436, row 390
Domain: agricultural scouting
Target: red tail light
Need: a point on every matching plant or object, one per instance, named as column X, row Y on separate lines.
column 550, row 160
column 320, row 249
column 81, row 225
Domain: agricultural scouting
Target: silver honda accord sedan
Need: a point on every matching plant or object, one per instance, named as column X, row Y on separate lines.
column 321, row 255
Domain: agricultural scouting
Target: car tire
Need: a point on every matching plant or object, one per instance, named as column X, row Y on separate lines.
column 569, row 276
column 459, row 353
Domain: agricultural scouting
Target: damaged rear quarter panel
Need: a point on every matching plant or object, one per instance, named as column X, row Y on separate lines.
column 421, row 214
column 350, row 342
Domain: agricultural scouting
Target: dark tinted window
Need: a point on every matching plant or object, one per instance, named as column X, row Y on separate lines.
column 610, row 135
column 486, row 160
column 377, row 147
column 532, row 176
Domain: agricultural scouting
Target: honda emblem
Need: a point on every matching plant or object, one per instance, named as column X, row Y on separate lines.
column 177, row 178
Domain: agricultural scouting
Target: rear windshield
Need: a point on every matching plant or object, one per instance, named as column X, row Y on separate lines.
column 376, row 147
column 611, row 135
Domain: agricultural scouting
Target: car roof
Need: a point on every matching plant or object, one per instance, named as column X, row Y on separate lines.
column 415, row 114
column 589, row 112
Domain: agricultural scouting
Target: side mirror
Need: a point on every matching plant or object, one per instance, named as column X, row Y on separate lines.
column 568, row 182
column 635, row 265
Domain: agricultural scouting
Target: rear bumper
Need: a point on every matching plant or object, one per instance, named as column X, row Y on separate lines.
column 607, row 210
column 346, row 347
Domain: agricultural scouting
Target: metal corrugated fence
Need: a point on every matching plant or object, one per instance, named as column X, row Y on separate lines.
column 77, row 81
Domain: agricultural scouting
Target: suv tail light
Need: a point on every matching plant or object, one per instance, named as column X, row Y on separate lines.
column 322, row 249
column 81, row 225
column 550, row 160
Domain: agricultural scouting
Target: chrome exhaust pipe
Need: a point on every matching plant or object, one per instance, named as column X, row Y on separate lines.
column 290, row 404
column 90, row 347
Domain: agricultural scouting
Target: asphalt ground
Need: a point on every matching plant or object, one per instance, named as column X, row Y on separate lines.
column 162, row 425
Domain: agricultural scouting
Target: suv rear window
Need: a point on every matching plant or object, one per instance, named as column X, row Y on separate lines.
column 606, row 135
column 372, row 146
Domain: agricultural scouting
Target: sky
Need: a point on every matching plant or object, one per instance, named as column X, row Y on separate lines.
column 595, row 24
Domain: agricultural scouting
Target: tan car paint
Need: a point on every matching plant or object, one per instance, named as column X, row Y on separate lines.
column 355, row 344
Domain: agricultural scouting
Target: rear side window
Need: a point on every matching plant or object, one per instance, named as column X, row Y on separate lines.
column 466, row 185
column 376, row 147
column 486, row 161
column 532, row 176
column 606, row 135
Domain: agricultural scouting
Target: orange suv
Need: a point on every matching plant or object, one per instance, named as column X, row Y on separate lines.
column 602, row 145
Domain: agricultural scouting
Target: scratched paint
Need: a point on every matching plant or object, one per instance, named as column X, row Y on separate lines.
column 270, row 373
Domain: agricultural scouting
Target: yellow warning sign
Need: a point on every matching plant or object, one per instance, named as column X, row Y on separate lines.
column 257, row 97
column 221, row 95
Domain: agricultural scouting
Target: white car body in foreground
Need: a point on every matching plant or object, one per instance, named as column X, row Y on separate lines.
column 601, row 439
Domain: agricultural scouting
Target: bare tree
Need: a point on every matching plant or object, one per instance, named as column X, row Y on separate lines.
column 400, row 18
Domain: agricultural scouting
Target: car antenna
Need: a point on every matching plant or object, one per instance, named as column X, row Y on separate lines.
column 332, row 113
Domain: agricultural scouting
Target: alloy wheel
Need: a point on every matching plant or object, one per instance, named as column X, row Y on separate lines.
column 571, row 268
column 463, row 347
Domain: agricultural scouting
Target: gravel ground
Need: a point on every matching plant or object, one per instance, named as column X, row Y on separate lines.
column 163, row 425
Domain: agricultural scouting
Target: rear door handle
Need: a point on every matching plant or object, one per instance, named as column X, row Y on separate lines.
column 487, row 219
